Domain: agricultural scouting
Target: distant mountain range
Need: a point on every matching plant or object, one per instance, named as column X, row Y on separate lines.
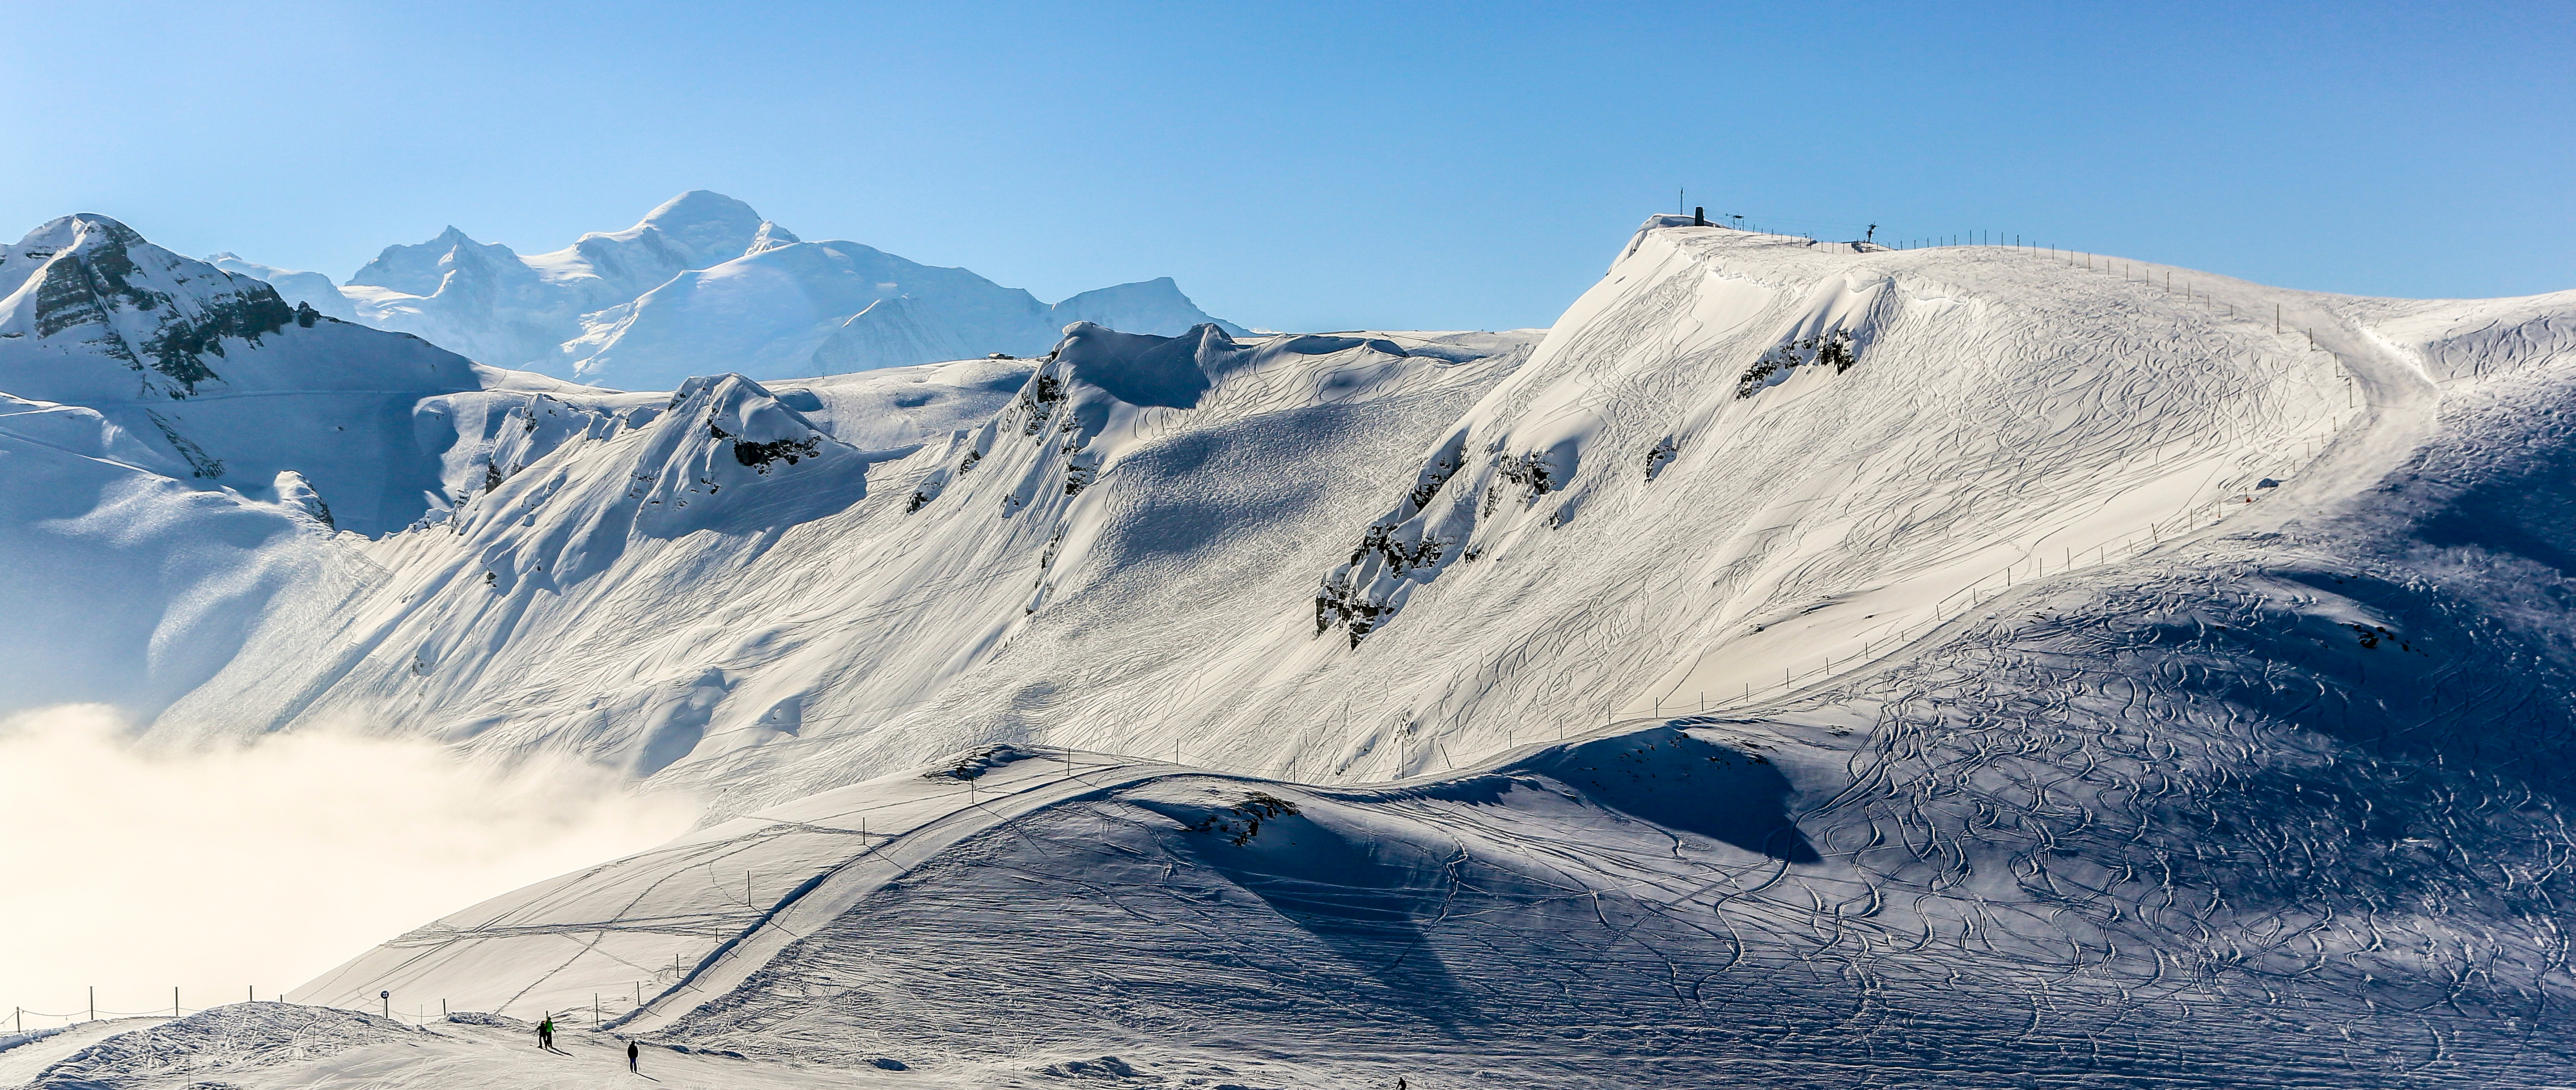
column 704, row 285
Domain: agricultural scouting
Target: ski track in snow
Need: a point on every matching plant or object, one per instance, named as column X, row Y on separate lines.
column 2029, row 741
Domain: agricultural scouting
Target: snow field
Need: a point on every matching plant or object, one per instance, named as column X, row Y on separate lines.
column 2082, row 769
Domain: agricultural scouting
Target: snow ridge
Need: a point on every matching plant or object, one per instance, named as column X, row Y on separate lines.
column 700, row 277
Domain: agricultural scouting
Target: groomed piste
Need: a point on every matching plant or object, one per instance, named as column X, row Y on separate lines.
column 1804, row 665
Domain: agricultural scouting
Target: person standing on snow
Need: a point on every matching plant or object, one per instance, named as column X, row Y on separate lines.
column 546, row 1033
column 633, row 1056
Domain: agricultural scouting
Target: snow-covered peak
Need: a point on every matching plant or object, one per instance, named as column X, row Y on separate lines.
column 745, row 412
column 708, row 226
column 702, row 281
column 420, row 269
column 83, row 295
column 695, row 230
column 1139, row 368
column 295, row 286
column 724, row 454
column 228, row 384
column 770, row 237
column 82, row 230
column 1146, row 306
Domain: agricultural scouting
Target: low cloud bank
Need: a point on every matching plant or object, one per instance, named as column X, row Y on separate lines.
column 267, row 864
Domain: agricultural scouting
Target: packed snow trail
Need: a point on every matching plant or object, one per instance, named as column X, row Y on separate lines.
column 684, row 923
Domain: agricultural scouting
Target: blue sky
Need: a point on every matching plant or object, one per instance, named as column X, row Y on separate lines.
column 1321, row 165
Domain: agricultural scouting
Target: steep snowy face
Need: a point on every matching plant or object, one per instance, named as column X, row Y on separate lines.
column 730, row 433
column 701, row 282
column 835, row 307
column 87, row 297
column 227, row 384
column 695, row 230
column 720, row 454
column 1149, row 306
column 497, row 306
column 770, row 312
column 298, row 288
column 1132, row 496
column 425, row 268
column 476, row 299
column 1785, row 456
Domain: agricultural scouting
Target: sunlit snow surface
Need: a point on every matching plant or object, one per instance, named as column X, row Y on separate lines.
column 703, row 278
column 2203, row 782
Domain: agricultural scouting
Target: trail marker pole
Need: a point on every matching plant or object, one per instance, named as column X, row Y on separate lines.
column 93, row 1002
column 388, row 997
column 174, row 1002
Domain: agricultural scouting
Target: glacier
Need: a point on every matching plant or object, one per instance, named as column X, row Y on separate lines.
column 703, row 277
column 1804, row 664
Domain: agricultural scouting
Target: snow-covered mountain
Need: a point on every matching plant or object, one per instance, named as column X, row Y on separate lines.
column 177, row 442
column 704, row 278
column 180, row 443
column 308, row 288
column 1803, row 665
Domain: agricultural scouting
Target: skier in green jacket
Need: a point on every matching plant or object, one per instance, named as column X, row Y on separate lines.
column 546, row 1033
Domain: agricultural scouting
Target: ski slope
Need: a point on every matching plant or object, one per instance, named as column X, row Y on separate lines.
column 1803, row 665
